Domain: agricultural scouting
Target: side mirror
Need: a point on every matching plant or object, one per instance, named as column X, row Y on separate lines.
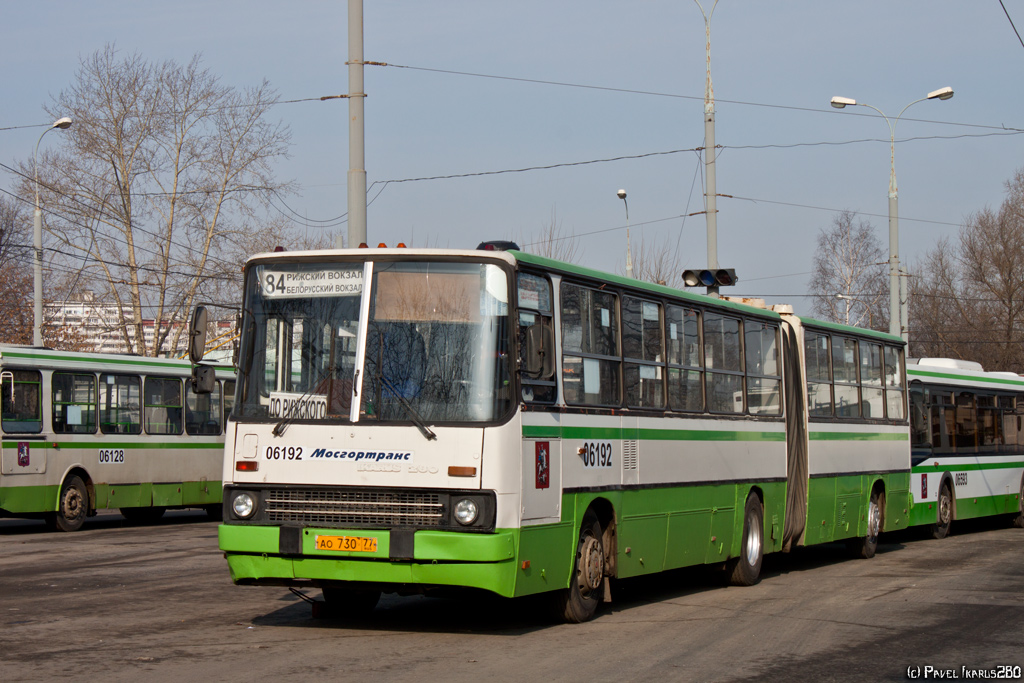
column 204, row 379
column 197, row 335
column 539, row 355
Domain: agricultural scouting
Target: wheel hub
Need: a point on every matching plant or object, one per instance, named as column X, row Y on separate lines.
column 944, row 510
column 591, row 564
column 73, row 504
column 874, row 520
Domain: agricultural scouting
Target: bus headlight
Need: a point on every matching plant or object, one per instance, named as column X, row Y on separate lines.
column 243, row 505
column 466, row 511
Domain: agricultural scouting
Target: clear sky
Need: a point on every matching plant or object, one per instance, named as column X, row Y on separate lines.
column 788, row 161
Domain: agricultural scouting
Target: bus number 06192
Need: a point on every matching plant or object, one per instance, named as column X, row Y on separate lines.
column 596, row 454
column 284, row 453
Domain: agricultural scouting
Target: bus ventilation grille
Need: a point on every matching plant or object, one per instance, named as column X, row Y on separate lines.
column 629, row 454
column 342, row 508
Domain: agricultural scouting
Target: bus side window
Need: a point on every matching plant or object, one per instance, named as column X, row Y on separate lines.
column 120, row 404
column 894, row 374
column 685, row 369
column 723, row 361
column 920, row 431
column 202, row 411
column 764, row 377
column 871, row 374
column 844, row 375
column 642, row 347
column 21, row 405
column 162, row 408
column 74, row 403
column 536, row 339
column 590, row 346
column 817, row 357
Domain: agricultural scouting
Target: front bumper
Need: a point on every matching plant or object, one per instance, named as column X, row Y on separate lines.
column 288, row 555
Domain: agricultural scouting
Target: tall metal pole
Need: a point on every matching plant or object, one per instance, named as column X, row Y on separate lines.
column 894, row 238
column 37, row 242
column 629, row 253
column 711, row 192
column 897, row 304
column 356, row 128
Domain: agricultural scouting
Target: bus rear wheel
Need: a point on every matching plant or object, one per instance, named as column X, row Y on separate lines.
column 72, row 506
column 578, row 602
column 865, row 546
column 940, row 529
column 745, row 570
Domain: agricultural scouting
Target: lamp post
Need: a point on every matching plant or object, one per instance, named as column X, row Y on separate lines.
column 629, row 256
column 848, row 299
column 710, row 191
column 897, row 309
column 37, row 240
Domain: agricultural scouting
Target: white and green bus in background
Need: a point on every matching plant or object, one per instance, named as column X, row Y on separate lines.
column 88, row 431
column 967, row 440
column 411, row 419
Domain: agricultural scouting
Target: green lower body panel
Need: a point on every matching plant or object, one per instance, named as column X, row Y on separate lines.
column 185, row 494
column 440, row 558
column 837, row 507
column 667, row 528
column 967, row 508
column 28, row 499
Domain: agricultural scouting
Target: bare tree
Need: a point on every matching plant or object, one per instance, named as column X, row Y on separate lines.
column 657, row 261
column 849, row 262
column 14, row 233
column 553, row 242
column 15, row 274
column 164, row 169
column 968, row 295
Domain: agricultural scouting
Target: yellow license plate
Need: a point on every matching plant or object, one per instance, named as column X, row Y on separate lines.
column 349, row 544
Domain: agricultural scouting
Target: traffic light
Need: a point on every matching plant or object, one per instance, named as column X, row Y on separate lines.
column 723, row 277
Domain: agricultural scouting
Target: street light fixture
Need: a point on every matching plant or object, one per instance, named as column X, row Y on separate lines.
column 37, row 239
column 897, row 308
column 848, row 299
column 621, row 194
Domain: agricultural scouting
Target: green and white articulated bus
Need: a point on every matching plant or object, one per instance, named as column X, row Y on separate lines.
column 967, row 441
column 87, row 431
column 413, row 419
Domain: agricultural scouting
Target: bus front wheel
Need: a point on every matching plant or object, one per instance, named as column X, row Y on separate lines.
column 72, row 506
column 865, row 546
column 745, row 570
column 940, row 529
column 578, row 602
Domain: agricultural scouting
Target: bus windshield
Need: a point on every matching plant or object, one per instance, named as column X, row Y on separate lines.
column 435, row 342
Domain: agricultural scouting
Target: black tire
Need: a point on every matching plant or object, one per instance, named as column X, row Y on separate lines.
column 944, row 513
column 350, row 603
column 578, row 602
column 72, row 506
column 866, row 546
column 745, row 570
column 146, row 515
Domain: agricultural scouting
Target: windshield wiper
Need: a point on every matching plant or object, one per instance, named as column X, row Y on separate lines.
column 428, row 433
column 286, row 420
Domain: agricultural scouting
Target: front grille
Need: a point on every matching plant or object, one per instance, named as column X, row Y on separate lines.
column 354, row 508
